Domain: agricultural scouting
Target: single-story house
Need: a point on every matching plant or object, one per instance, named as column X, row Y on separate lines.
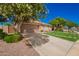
column 36, row 27
column 42, row 27
column 77, row 28
column 33, row 26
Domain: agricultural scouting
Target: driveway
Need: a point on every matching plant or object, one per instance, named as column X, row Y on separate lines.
column 57, row 47
column 75, row 50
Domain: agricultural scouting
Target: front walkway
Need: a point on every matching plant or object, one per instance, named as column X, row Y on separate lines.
column 58, row 47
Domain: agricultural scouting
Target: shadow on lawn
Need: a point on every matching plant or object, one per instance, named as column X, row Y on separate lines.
column 37, row 39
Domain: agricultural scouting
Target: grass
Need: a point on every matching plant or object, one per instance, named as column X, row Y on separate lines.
column 71, row 36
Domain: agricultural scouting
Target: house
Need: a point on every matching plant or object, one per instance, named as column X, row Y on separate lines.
column 65, row 29
column 32, row 26
column 36, row 27
column 42, row 27
column 78, row 28
column 74, row 29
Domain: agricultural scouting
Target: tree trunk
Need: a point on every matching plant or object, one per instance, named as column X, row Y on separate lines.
column 18, row 23
column 18, row 27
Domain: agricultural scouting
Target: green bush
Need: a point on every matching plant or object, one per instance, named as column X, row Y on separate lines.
column 2, row 34
column 12, row 38
column 1, row 30
column 59, row 29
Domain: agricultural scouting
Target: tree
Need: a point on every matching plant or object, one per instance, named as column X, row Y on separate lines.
column 61, row 22
column 57, row 21
column 71, row 24
column 23, row 12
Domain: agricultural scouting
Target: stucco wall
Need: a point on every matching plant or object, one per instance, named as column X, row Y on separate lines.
column 7, row 29
column 34, row 28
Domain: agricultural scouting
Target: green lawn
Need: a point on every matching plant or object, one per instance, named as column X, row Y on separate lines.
column 65, row 35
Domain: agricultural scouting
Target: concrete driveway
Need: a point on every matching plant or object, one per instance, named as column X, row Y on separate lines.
column 75, row 50
column 58, row 47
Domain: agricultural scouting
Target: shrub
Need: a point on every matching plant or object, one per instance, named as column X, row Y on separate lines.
column 59, row 29
column 12, row 38
column 1, row 30
column 2, row 34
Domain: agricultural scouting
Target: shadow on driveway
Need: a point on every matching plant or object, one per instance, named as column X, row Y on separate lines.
column 37, row 39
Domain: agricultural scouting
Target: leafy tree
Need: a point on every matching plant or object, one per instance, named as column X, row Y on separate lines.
column 71, row 24
column 57, row 21
column 61, row 22
column 23, row 12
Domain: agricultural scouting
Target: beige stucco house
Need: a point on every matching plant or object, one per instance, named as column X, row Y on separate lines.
column 36, row 27
column 42, row 27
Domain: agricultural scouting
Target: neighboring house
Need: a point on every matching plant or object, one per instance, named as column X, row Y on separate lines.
column 65, row 29
column 78, row 28
column 74, row 29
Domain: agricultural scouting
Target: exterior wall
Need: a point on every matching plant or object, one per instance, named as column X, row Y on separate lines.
column 40, row 28
column 7, row 29
column 0, row 27
column 11, row 29
column 78, row 28
column 27, row 28
column 45, row 28
column 34, row 28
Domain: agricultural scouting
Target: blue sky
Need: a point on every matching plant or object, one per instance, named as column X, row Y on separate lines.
column 69, row 11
